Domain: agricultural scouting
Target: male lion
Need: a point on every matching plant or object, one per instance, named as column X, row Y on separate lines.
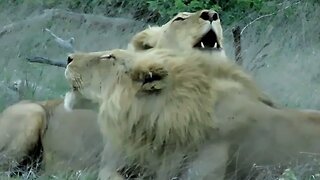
column 181, row 114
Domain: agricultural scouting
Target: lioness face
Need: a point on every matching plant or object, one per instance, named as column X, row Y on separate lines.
column 93, row 74
column 199, row 30
column 90, row 73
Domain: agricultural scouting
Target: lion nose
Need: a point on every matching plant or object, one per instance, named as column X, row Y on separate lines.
column 209, row 15
column 70, row 59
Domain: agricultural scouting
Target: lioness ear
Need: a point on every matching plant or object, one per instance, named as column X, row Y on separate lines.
column 152, row 77
column 146, row 39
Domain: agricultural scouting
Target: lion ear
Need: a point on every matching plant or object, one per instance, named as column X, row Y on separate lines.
column 153, row 78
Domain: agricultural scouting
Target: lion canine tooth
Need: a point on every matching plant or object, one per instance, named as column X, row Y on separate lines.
column 202, row 45
column 215, row 45
column 150, row 74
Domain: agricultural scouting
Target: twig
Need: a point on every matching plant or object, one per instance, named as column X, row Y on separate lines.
column 237, row 44
column 67, row 44
column 267, row 15
column 258, row 18
column 43, row 60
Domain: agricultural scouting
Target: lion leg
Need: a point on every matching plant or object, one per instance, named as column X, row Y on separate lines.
column 152, row 77
column 211, row 163
column 110, row 162
column 20, row 131
column 107, row 174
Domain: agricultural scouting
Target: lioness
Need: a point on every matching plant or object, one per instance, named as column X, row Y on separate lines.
column 178, row 115
column 68, row 140
column 200, row 30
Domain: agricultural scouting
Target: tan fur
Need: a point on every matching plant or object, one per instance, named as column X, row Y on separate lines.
column 137, row 122
column 178, row 114
column 180, row 34
column 38, row 123
column 20, row 129
column 70, row 140
column 146, row 39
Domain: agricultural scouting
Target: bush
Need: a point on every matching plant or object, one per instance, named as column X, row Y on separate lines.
column 169, row 8
column 231, row 10
column 158, row 11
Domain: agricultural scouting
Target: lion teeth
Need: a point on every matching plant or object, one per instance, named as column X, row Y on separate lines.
column 150, row 74
column 215, row 45
column 202, row 45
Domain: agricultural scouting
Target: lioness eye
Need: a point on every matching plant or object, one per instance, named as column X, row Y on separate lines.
column 179, row 19
column 146, row 46
column 107, row 57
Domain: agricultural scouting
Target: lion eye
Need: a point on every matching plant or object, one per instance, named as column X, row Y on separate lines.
column 179, row 19
column 146, row 46
column 108, row 57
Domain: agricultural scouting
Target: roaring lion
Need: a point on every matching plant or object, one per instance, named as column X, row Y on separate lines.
column 199, row 30
column 184, row 114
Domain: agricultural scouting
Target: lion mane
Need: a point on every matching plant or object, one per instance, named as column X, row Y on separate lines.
column 176, row 114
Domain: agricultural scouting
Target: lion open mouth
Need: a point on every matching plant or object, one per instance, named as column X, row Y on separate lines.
column 208, row 42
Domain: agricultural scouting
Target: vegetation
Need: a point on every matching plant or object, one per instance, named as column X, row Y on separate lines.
column 157, row 10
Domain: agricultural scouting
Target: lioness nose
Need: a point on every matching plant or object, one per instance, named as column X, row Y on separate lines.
column 70, row 59
column 209, row 15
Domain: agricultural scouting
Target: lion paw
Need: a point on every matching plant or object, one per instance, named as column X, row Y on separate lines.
column 107, row 175
column 151, row 77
